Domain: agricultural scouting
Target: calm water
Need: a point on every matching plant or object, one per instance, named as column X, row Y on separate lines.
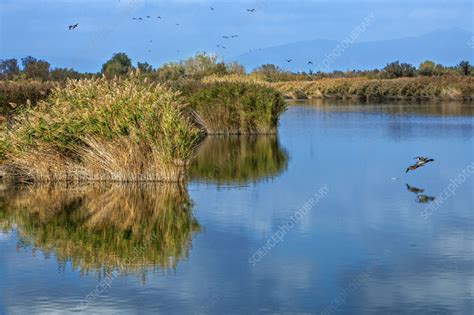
column 365, row 246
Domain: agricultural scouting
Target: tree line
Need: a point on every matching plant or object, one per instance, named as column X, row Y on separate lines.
column 202, row 65
column 393, row 70
column 120, row 64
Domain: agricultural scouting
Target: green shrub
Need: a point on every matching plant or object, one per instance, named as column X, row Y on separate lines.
column 234, row 107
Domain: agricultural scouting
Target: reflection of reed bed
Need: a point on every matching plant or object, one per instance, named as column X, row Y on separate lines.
column 126, row 226
column 228, row 160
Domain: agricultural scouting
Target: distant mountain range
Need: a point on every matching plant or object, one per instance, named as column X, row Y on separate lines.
column 447, row 47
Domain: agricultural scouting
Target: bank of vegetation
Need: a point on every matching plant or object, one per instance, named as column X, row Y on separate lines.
column 416, row 88
column 128, row 127
column 34, row 79
column 99, row 129
column 138, row 123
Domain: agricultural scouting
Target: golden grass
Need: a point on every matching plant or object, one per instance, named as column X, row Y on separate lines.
column 443, row 87
column 119, row 130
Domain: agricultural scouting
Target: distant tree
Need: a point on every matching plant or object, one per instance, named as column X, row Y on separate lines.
column 465, row 67
column 119, row 64
column 397, row 70
column 9, row 68
column 203, row 65
column 35, row 69
column 170, row 71
column 235, row 68
column 197, row 67
column 427, row 68
column 269, row 72
column 408, row 70
column 144, row 67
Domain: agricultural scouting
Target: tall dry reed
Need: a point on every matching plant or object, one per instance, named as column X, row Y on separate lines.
column 122, row 129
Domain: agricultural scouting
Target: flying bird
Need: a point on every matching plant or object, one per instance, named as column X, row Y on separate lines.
column 421, row 161
column 251, row 10
column 158, row 17
column 148, row 17
column 413, row 167
column 225, row 37
column 234, row 36
column 288, row 60
column 212, row 9
column 310, row 62
column 71, row 27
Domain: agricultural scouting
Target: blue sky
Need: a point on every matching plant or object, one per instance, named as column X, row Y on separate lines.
column 39, row 27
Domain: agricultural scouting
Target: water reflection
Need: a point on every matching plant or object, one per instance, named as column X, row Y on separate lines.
column 414, row 190
column 395, row 107
column 420, row 198
column 424, row 199
column 129, row 227
column 238, row 160
column 339, row 247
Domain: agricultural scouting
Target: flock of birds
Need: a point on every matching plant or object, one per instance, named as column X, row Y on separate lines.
column 251, row 10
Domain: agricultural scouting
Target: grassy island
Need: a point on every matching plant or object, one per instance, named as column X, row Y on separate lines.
column 128, row 128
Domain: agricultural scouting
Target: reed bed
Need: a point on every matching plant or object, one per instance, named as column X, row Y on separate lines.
column 234, row 107
column 97, row 129
column 443, row 87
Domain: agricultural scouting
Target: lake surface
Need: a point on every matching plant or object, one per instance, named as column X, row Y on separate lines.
column 321, row 219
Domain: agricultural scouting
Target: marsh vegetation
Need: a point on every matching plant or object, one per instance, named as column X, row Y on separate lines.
column 128, row 127
column 142, row 124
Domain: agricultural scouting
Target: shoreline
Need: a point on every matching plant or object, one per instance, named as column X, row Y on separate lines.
column 443, row 88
